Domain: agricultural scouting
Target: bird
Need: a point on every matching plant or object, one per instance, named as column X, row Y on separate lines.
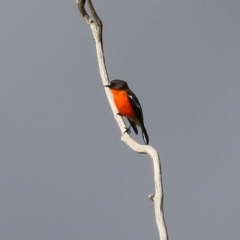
column 128, row 106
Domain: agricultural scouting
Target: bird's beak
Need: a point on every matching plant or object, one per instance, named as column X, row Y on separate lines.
column 107, row 86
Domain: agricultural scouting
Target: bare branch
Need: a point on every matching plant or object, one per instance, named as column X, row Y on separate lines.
column 96, row 27
column 94, row 14
column 82, row 10
column 157, row 198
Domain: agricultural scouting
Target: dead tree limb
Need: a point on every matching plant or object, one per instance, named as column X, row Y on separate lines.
column 96, row 26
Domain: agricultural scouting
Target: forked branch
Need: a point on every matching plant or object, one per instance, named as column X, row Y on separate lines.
column 97, row 26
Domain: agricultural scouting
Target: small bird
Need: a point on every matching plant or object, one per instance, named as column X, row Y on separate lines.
column 128, row 106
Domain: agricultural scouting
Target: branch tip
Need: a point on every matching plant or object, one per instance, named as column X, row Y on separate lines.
column 94, row 14
column 151, row 197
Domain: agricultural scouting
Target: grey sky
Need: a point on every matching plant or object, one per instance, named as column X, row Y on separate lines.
column 65, row 174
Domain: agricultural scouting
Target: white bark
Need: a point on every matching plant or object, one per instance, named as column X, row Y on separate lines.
column 96, row 27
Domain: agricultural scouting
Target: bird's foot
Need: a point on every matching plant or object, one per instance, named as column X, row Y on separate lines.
column 127, row 130
column 119, row 114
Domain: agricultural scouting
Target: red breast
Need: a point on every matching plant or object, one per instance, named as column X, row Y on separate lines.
column 123, row 105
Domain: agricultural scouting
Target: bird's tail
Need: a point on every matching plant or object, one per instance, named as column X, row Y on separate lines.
column 144, row 134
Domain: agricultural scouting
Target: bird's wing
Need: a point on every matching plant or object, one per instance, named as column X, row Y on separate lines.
column 135, row 105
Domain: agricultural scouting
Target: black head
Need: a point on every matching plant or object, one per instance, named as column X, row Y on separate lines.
column 118, row 84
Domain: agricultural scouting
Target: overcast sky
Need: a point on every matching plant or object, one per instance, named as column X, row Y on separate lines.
column 65, row 174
